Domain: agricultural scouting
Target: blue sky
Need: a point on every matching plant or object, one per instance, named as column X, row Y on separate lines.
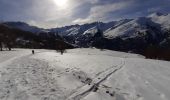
column 56, row 13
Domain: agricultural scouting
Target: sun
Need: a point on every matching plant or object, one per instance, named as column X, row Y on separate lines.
column 61, row 3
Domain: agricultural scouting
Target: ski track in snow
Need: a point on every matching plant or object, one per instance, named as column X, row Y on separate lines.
column 108, row 72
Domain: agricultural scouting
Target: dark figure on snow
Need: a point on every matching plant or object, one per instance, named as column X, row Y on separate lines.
column 33, row 52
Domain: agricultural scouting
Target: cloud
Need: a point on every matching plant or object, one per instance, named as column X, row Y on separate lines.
column 155, row 9
column 92, row 1
column 85, row 1
column 47, row 14
column 100, row 12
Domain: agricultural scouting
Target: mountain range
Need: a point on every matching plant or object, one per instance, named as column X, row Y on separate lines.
column 149, row 35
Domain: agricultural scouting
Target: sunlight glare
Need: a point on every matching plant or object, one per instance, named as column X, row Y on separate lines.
column 61, row 3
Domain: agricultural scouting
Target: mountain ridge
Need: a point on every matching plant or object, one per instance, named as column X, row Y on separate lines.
column 138, row 35
column 77, row 29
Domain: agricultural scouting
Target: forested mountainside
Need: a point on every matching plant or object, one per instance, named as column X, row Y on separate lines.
column 16, row 38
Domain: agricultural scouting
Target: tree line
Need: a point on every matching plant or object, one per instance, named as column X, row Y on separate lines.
column 15, row 38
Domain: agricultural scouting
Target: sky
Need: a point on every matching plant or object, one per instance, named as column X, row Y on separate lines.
column 57, row 13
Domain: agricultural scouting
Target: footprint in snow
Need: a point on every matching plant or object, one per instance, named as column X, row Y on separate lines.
column 67, row 70
column 51, row 70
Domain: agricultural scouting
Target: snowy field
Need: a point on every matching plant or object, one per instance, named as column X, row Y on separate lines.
column 82, row 74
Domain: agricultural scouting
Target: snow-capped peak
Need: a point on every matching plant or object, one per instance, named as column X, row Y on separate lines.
column 129, row 29
column 156, row 14
column 162, row 19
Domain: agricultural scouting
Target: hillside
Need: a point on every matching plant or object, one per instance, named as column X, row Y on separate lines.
column 82, row 74
column 12, row 38
column 24, row 26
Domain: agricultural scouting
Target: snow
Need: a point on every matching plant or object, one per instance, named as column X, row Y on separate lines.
column 73, row 31
column 117, row 24
column 82, row 74
column 124, row 27
column 128, row 29
column 162, row 19
column 131, row 28
column 92, row 31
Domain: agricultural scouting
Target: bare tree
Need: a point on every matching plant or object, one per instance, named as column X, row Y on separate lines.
column 0, row 45
column 61, row 49
column 1, row 42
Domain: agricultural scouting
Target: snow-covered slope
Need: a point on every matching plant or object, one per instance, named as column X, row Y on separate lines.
column 131, row 28
column 80, row 30
column 66, row 30
column 82, row 74
column 73, row 31
column 91, row 31
column 141, row 24
column 128, row 29
column 162, row 19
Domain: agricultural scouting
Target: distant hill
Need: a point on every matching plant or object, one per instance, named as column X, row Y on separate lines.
column 11, row 37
